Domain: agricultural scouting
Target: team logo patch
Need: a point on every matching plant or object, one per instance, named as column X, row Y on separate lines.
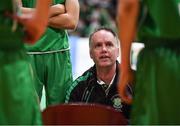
column 117, row 102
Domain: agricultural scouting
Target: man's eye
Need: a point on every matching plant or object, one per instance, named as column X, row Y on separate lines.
column 97, row 46
column 109, row 45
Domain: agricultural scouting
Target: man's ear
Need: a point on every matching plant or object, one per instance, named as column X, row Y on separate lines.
column 117, row 52
column 90, row 53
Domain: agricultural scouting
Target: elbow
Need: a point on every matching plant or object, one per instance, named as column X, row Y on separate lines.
column 72, row 24
column 73, row 21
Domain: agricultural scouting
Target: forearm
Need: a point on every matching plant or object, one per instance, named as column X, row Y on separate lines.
column 41, row 12
column 38, row 10
column 127, row 18
column 67, row 20
column 56, row 10
column 63, row 21
column 35, row 21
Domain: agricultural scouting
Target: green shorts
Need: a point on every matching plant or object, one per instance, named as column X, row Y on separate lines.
column 157, row 88
column 18, row 98
column 54, row 72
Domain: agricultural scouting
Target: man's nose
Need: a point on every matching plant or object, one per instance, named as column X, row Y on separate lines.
column 104, row 48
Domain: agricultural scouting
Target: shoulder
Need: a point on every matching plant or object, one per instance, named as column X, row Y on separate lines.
column 81, row 80
column 80, row 84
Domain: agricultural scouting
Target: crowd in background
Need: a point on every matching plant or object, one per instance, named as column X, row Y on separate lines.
column 93, row 14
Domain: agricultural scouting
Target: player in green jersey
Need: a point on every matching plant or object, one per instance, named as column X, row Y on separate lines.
column 50, row 56
column 18, row 99
column 158, row 69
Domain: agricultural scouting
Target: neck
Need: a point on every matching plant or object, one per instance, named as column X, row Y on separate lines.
column 106, row 74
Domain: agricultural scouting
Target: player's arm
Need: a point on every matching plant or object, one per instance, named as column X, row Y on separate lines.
column 56, row 10
column 69, row 19
column 126, row 19
column 35, row 21
column 53, row 10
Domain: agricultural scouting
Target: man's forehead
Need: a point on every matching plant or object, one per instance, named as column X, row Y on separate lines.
column 103, row 35
column 102, row 32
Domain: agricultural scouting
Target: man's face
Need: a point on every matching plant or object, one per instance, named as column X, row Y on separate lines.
column 104, row 50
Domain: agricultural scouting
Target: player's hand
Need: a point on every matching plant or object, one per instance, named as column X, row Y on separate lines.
column 33, row 31
column 126, row 77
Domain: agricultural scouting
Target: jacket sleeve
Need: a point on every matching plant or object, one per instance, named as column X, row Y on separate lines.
column 74, row 94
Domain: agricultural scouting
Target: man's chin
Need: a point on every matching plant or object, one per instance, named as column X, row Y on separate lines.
column 104, row 64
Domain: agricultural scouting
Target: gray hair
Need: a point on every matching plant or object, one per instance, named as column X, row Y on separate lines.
column 106, row 29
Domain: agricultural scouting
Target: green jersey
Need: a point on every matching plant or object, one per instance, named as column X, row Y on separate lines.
column 53, row 39
column 10, row 32
column 160, row 19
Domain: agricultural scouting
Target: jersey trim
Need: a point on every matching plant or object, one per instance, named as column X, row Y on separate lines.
column 48, row 52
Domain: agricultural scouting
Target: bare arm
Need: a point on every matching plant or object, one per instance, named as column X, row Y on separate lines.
column 69, row 19
column 33, row 29
column 56, row 10
column 126, row 19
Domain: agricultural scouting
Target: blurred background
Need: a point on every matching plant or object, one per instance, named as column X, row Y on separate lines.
column 95, row 13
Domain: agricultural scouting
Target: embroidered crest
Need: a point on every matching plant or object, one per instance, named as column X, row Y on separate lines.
column 117, row 102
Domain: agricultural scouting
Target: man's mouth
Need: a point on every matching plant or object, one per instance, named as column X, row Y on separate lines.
column 104, row 57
